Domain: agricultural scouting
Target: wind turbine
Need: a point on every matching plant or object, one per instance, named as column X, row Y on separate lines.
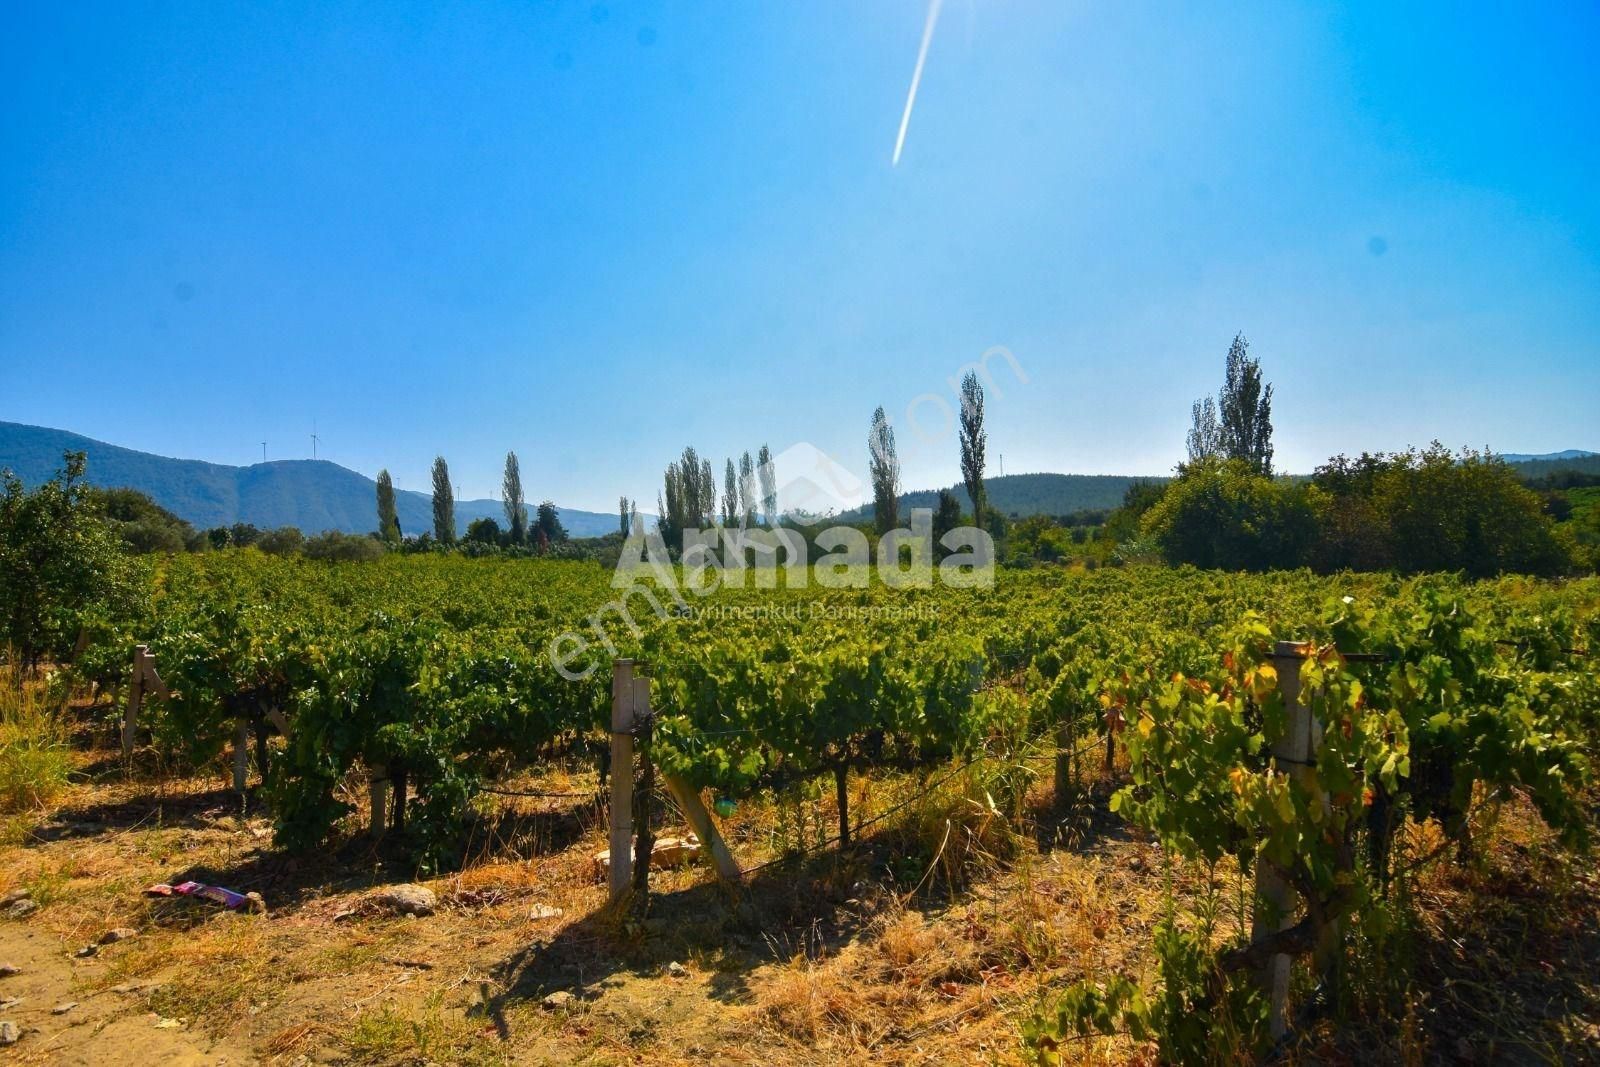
column 314, row 438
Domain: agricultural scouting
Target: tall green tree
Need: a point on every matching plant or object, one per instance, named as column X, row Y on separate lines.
column 884, row 469
column 730, row 495
column 626, row 509
column 548, row 522
column 1244, row 410
column 769, row 485
column 973, row 441
column 515, row 503
column 388, row 516
column 1205, row 436
column 60, row 563
column 747, row 489
column 444, row 503
column 689, row 496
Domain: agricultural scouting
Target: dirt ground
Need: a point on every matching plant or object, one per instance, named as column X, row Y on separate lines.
column 863, row 956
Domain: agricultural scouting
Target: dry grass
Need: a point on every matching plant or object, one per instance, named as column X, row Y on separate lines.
column 35, row 760
column 926, row 944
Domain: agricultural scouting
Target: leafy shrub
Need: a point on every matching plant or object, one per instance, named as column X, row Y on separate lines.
column 284, row 541
column 1221, row 513
column 59, row 560
column 348, row 548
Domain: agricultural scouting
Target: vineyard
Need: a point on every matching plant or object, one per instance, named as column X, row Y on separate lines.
column 1304, row 787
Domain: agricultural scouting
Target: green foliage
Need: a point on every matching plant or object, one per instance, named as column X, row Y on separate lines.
column 1244, row 411
column 388, row 517
column 61, row 564
column 516, row 506
column 973, row 441
column 444, row 503
column 548, row 524
column 1222, row 513
column 883, row 465
column 143, row 525
column 483, row 531
column 284, row 541
column 1432, row 511
column 349, row 548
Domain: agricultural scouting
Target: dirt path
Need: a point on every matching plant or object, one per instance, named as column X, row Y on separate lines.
column 112, row 1027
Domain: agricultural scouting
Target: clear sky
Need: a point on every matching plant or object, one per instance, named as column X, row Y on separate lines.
column 597, row 232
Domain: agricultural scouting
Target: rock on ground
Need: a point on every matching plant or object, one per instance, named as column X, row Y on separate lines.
column 405, row 899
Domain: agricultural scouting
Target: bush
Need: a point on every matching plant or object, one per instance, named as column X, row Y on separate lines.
column 143, row 525
column 1433, row 511
column 59, row 560
column 284, row 541
column 350, row 548
column 1221, row 513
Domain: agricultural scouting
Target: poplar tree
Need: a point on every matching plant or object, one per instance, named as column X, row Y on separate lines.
column 884, row 467
column 769, row 485
column 973, row 441
column 388, row 517
column 747, row 488
column 515, row 504
column 730, row 496
column 1244, row 410
column 444, row 503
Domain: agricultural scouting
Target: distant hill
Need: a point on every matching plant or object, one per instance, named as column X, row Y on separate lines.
column 1030, row 494
column 1570, row 460
column 1526, row 457
column 313, row 495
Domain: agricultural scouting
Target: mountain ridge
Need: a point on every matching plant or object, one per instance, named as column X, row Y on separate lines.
column 311, row 494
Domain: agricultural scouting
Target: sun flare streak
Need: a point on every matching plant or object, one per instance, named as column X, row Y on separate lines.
column 916, row 76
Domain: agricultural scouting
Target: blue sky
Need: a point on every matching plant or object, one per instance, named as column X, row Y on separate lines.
column 597, row 232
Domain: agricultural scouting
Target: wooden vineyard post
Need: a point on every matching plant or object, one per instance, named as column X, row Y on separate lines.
column 1064, row 745
column 143, row 679
column 378, row 794
column 622, row 698
column 130, row 715
column 241, row 755
column 1293, row 753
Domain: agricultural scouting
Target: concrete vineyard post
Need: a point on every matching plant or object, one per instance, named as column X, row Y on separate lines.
column 644, row 843
column 1293, row 754
column 622, row 698
column 688, row 800
column 130, row 717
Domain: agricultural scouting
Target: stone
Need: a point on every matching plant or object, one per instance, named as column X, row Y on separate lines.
column 8, row 1034
column 666, row 852
column 13, row 896
column 7, row 1003
column 9, row 969
column 556, row 1001
column 677, row 970
column 86, row 951
column 120, row 933
column 405, row 899
column 22, row 908
column 545, row 911
column 64, row 1007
